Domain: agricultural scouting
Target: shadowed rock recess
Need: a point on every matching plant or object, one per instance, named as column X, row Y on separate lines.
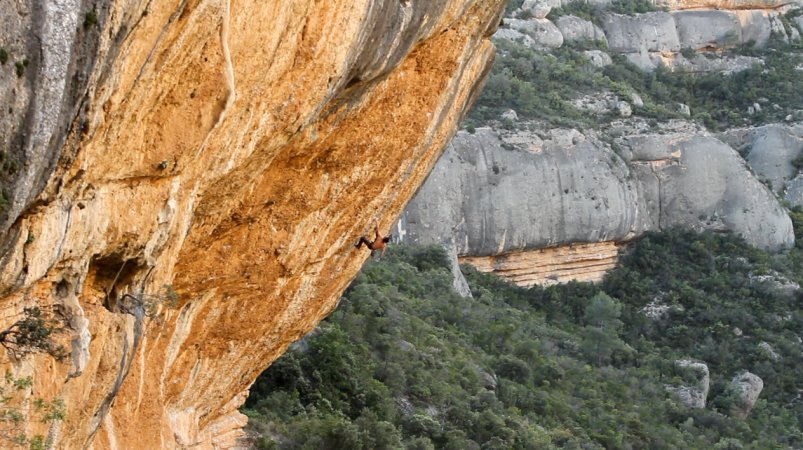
column 188, row 179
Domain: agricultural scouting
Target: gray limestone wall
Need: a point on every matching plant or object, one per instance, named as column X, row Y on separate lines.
column 651, row 32
column 52, row 49
column 702, row 183
column 770, row 150
column 487, row 197
column 700, row 29
column 657, row 38
column 490, row 199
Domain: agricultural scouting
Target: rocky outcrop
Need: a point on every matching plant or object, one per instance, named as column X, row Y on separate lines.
column 537, row 9
column 544, row 34
column 793, row 32
column 599, row 58
column 774, row 281
column 514, row 36
column 799, row 22
column 794, row 190
column 459, row 281
column 746, row 387
column 51, row 59
column 662, row 38
column 722, row 4
column 725, row 64
column 770, row 151
column 700, row 182
column 766, row 349
column 658, row 308
column 521, row 204
column 603, row 102
column 649, row 32
column 755, row 27
column 693, row 395
column 194, row 147
column 653, row 39
column 708, row 29
column 778, row 28
column 576, row 29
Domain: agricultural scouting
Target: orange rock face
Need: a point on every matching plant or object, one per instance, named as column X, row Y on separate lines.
column 546, row 266
column 234, row 152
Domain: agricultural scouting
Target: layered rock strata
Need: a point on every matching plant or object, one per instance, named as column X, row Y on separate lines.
column 551, row 265
column 191, row 177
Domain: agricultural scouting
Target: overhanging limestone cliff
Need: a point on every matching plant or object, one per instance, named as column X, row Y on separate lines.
column 230, row 151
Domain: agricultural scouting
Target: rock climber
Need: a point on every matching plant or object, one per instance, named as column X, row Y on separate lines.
column 379, row 242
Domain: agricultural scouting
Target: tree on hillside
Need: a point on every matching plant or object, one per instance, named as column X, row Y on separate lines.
column 601, row 333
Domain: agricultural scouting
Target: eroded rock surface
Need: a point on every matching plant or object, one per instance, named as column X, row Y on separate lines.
column 50, row 60
column 544, row 34
column 707, row 29
column 538, row 9
column 494, row 200
column 576, row 29
column 649, row 32
column 194, row 147
column 695, row 393
column 551, row 265
column 747, row 387
column 700, row 182
column 771, row 151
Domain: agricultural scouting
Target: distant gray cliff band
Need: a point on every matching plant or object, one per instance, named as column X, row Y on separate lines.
column 489, row 199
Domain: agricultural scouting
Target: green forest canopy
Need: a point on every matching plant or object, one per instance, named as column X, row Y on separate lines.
column 404, row 362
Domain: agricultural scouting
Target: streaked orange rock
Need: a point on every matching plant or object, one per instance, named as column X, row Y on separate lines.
column 547, row 266
column 233, row 153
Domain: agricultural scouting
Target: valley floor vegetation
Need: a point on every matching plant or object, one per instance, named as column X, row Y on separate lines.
column 405, row 362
